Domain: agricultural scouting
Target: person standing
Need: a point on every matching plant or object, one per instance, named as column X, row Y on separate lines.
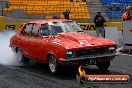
column 128, row 14
column 66, row 14
column 57, row 16
column 99, row 21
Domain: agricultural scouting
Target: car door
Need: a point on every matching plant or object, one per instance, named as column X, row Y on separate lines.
column 35, row 44
column 47, row 37
column 24, row 38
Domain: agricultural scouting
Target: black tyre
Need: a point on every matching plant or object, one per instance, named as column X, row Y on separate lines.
column 103, row 65
column 53, row 65
column 20, row 57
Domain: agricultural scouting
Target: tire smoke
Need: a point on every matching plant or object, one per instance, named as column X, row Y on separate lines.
column 7, row 56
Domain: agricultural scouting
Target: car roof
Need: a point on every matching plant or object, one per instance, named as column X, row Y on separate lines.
column 50, row 20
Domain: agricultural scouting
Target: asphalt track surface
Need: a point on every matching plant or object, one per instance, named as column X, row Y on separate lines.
column 37, row 75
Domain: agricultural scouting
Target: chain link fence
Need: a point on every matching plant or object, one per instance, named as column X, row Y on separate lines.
column 115, row 8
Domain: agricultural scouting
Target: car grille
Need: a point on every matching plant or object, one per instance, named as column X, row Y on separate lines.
column 93, row 51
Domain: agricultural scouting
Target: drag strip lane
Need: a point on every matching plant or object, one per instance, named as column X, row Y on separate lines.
column 23, row 78
column 38, row 76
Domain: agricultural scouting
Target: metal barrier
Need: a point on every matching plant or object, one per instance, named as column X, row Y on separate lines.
column 85, row 26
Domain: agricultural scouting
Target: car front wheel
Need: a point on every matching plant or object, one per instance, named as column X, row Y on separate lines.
column 103, row 65
column 20, row 57
column 53, row 65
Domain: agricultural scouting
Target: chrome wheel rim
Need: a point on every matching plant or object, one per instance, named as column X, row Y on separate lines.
column 52, row 64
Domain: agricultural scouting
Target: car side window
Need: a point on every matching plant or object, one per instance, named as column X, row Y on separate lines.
column 48, row 30
column 26, row 29
column 45, row 30
column 35, row 30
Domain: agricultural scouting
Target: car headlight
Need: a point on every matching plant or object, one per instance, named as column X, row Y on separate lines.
column 69, row 53
column 112, row 49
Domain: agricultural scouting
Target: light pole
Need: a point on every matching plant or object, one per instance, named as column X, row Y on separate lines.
column 2, row 12
column 4, row 5
column 2, row 8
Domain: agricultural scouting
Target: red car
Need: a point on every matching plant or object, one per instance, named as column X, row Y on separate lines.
column 61, row 42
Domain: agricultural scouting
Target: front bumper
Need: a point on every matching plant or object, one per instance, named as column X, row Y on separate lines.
column 84, row 58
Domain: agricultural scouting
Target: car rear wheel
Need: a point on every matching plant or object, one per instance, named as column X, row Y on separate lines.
column 53, row 65
column 103, row 65
column 20, row 57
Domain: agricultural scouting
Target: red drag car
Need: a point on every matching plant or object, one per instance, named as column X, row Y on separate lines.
column 61, row 42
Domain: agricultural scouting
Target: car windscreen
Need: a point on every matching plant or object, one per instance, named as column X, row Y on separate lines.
column 60, row 27
column 69, row 26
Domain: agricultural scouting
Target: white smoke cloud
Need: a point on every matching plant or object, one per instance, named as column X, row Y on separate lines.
column 7, row 56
